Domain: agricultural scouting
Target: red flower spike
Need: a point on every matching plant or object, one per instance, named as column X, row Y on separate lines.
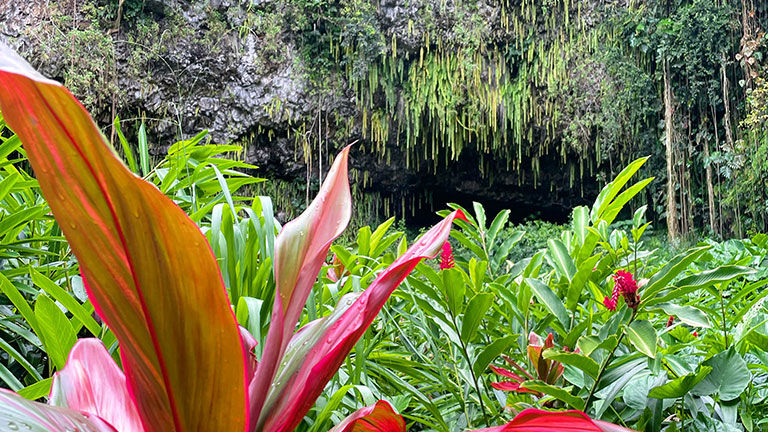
column 626, row 285
column 446, row 257
column 670, row 321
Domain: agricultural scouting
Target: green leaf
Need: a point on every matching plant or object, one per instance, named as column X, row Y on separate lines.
column 129, row 159
column 556, row 392
column 643, row 336
column 670, row 271
column 579, row 280
column 550, row 300
column 498, row 223
column 687, row 314
column 618, row 204
column 612, row 189
column 562, row 260
column 57, row 333
column 475, row 312
column 729, row 376
column 491, row 352
column 67, row 300
column 679, row 387
column 701, row 280
column 580, row 222
column 588, row 344
column 576, row 360
column 143, row 150
column 453, row 284
column 36, row 390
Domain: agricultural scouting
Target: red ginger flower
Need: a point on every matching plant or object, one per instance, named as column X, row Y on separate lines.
column 446, row 257
column 670, row 321
column 626, row 285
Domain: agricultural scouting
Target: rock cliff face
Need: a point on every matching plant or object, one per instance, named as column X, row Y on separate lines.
column 253, row 73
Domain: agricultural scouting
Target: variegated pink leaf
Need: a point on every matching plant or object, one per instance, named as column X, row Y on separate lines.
column 92, row 383
column 19, row 414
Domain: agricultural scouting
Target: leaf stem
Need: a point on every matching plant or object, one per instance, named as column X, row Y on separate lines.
column 607, row 361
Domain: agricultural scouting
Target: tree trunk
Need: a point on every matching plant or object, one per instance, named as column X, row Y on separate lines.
column 710, row 186
column 668, row 113
column 727, row 104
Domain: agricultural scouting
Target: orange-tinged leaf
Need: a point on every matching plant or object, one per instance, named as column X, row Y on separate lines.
column 380, row 417
column 149, row 271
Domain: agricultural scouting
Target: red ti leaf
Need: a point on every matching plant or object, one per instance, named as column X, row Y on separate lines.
column 376, row 418
column 300, row 252
column 534, row 420
column 92, row 383
column 149, row 270
column 316, row 353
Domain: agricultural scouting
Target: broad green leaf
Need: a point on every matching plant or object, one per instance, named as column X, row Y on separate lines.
column 609, row 192
column 671, row 270
column 702, row 280
column 580, row 223
column 491, row 352
column 453, row 284
column 480, row 215
column 729, row 376
column 498, row 223
column 56, row 332
column 556, row 392
column 549, row 299
column 687, row 314
column 562, row 260
column 576, row 360
column 643, row 336
column 679, row 387
column 37, row 390
column 579, row 280
column 475, row 312
column 717, row 275
column 147, row 265
column 67, row 300
column 618, row 204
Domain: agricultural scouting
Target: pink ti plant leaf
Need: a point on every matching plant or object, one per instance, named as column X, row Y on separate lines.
column 91, row 382
column 19, row 414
